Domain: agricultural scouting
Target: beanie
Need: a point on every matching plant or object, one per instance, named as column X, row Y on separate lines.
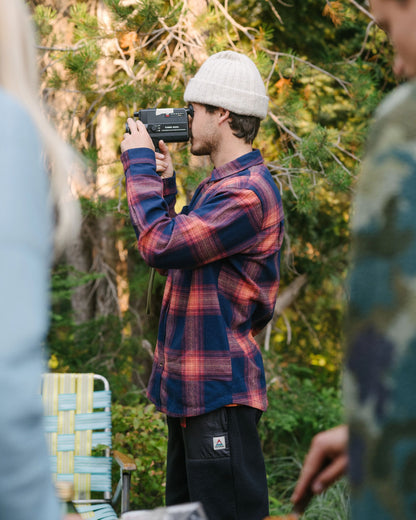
column 232, row 81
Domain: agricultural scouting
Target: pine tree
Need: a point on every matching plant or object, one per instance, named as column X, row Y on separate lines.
column 103, row 59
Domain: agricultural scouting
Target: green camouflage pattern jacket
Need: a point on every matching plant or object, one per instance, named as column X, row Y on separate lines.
column 380, row 378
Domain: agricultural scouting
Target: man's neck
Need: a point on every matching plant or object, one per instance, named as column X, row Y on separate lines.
column 229, row 152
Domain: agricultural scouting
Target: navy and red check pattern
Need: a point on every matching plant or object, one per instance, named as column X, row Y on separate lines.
column 222, row 256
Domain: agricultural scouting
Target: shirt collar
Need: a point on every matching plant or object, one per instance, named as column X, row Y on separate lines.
column 244, row 162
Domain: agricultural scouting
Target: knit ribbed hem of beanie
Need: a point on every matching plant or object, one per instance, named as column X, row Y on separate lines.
column 229, row 98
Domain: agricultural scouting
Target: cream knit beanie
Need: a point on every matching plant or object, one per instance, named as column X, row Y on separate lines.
column 232, row 81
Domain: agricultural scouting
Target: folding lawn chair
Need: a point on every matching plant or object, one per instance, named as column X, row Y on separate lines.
column 78, row 430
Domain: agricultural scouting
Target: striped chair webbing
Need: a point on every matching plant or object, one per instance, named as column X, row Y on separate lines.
column 71, row 424
column 97, row 511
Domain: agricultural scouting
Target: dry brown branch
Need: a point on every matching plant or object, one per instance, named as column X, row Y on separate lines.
column 283, row 127
column 277, row 55
column 289, row 295
column 308, row 326
column 285, row 299
column 274, row 10
column 364, row 44
column 245, row 30
column 362, row 9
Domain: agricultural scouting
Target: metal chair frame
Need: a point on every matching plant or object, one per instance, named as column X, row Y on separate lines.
column 73, row 429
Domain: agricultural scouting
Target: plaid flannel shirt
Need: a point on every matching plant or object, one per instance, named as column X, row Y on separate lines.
column 222, row 256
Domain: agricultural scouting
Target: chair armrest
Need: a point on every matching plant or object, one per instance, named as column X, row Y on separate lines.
column 125, row 462
column 127, row 465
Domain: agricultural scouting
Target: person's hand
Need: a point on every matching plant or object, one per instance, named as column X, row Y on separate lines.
column 326, row 462
column 72, row 516
column 164, row 166
column 138, row 138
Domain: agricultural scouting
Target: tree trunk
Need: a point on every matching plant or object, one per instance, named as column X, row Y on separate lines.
column 107, row 259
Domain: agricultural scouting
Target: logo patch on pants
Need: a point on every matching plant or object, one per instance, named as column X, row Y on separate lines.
column 219, row 443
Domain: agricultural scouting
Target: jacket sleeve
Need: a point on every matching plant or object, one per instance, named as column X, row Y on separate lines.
column 226, row 224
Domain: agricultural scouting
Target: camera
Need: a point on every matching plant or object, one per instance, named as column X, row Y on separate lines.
column 169, row 124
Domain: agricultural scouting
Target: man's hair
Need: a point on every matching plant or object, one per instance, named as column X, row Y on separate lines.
column 244, row 127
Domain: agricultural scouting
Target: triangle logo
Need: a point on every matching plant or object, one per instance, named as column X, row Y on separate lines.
column 219, row 443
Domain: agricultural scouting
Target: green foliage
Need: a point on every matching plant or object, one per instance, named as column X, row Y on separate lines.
column 314, row 147
column 82, row 64
column 325, row 74
column 141, row 432
column 84, row 23
column 301, row 404
column 299, row 407
column 65, row 279
column 55, row 81
column 44, row 16
column 102, row 344
column 283, row 473
column 143, row 16
column 331, row 505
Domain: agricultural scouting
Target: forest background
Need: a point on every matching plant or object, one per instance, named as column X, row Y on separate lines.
column 326, row 66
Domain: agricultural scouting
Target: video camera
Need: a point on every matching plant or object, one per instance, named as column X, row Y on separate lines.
column 169, row 124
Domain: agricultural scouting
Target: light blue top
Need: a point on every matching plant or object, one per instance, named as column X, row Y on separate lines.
column 26, row 490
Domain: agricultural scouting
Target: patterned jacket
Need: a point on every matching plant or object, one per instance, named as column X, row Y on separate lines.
column 222, row 257
column 380, row 380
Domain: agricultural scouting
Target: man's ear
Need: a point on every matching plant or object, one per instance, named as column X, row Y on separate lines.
column 224, row 115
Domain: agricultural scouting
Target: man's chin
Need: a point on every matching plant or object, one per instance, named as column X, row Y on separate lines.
column 199, row 152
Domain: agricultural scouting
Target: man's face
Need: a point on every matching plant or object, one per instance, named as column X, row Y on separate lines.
column 204, row 131
column 398, row 19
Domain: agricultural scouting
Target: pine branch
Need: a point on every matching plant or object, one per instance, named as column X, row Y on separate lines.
column 362, row 9
column 277, row 55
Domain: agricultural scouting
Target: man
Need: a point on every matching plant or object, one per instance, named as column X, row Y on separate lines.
column 381, row 358
column 222, row 257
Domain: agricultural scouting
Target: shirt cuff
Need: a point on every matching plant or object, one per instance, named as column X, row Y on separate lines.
column 139, row 161
column 169, row 185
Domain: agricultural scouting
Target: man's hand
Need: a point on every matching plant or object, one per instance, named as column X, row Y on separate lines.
column 164, row 166
column 326, row 462
column 138, row 138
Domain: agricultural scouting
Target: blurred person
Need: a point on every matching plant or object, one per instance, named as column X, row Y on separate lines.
column 222, row 255
column 31, row 195
column 378, row 446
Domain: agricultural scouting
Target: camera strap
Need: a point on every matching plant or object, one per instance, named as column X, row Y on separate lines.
column 150, row 289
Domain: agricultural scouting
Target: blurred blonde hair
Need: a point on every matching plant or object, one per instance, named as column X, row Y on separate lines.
column 19, row 76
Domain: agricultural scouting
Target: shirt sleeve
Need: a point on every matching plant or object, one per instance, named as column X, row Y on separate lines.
column 26, row 489
column 227, row 222
column 169, row 194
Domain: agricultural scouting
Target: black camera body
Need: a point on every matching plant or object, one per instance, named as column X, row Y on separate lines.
column 169, row 124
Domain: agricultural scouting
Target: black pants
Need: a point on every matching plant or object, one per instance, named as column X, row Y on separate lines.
column 217, row 459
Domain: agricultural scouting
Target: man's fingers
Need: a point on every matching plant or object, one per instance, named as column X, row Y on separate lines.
column 140, row 126
column 312, row 479
column 162, row 147
column 325, row 462
column 330, row 474
column 161, row 166
column 132, row 125
column 313, row 463
column 135, row 125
